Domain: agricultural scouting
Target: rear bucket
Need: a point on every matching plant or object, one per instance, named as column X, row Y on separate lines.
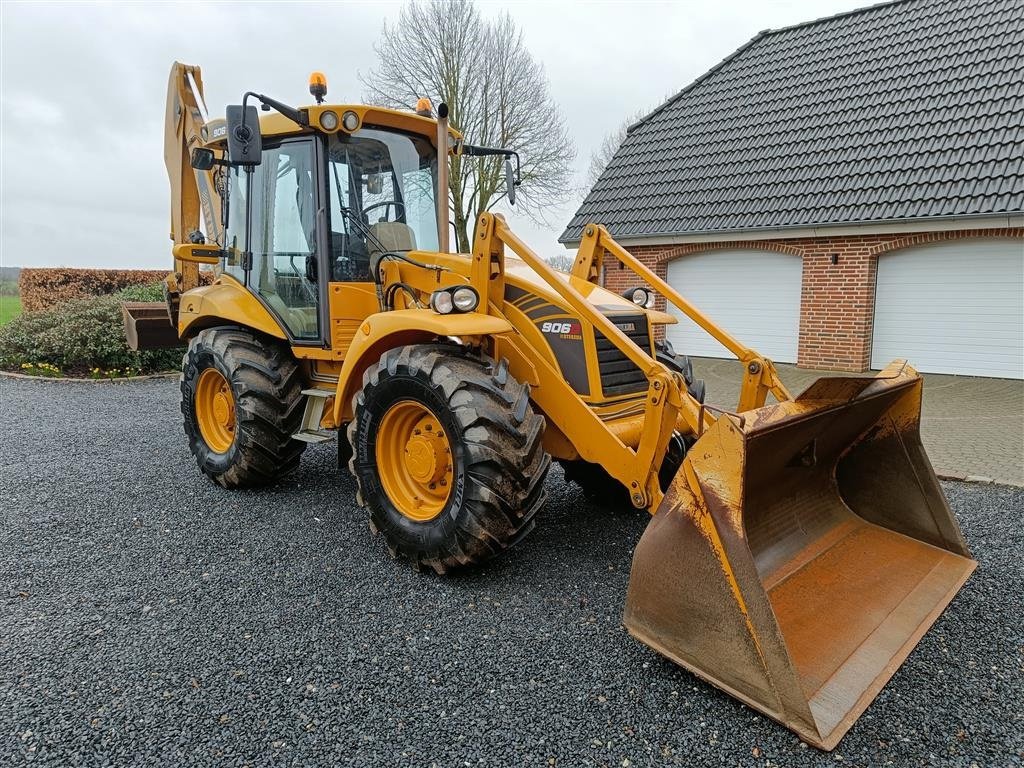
column 147, row 325
column 799, row 557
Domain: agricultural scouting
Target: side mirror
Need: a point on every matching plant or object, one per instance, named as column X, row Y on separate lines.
column 510, row 182
column 375, row 184
column 202, row 159
column 245, row 144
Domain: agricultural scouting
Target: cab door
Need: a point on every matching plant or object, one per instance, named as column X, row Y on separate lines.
column 273, row 212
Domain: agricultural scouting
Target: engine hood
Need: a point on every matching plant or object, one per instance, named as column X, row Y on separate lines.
column 519, row 274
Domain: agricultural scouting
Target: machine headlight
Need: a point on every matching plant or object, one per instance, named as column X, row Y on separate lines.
column 465, row 298
column 460, row 298
column 350, row 120
column 442, row 302
column 642, row 297
column 329, row 120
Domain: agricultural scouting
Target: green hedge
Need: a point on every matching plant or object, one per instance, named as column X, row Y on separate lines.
column 84, row 335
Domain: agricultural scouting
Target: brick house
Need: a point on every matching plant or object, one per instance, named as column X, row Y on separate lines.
column 842, row 192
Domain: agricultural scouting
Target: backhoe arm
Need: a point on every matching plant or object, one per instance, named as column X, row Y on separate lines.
column 193, row 193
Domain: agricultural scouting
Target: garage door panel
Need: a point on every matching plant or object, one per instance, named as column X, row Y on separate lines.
column 754, row 295
column 953, row 307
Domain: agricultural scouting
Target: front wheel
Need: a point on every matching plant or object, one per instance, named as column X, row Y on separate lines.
column 447, row 454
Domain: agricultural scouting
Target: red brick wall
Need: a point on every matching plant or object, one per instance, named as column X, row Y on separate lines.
column 837, row 301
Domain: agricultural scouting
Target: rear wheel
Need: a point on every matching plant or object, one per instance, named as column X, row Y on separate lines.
column 447, row 456
column 242, row 402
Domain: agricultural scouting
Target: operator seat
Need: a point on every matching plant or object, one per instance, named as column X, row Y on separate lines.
column 394, row 236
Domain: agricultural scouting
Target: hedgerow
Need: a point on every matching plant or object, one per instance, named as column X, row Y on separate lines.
column 83, row 335
column 54, row 286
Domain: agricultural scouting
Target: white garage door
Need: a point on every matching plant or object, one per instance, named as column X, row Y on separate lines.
column 754, row 295
column 954, row 307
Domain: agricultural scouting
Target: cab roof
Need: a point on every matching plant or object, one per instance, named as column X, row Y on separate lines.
column 276, row 124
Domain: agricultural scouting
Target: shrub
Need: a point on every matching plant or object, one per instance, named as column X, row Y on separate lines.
column 83, row 335
column 45, row 288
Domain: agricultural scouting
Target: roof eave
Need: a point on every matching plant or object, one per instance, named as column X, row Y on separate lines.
column 789, row 228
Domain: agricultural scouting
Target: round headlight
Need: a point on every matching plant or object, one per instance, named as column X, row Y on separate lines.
column 350, row 120
column 465, row 299
column 442, row 302
column 639, row 296
column 329, row 120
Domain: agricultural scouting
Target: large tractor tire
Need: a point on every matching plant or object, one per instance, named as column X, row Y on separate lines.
column 242, row 401
column 447, row 456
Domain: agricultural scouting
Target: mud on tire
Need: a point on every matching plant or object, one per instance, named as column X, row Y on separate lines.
column 266, row 388
column 499, row 465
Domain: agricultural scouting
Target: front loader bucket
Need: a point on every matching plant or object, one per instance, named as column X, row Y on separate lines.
column 798, row 557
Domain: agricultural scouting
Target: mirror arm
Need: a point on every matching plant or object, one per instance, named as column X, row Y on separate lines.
column 295, row 115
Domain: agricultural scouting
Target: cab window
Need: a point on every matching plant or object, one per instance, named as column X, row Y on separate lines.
column 381, row 190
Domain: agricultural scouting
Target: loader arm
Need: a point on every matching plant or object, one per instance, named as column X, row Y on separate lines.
column 193, row 193
column 667, row 403
column 760, row 377
column 666, row 399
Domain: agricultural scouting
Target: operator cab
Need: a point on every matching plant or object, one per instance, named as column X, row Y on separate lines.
column 319, row 195
column 319, row 208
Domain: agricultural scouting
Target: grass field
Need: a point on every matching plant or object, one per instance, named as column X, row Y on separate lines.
column 10, row 308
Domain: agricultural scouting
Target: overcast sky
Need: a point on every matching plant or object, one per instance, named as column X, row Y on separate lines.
column 82, row 91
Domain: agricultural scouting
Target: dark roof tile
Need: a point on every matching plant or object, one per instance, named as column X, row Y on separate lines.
column 901, row 110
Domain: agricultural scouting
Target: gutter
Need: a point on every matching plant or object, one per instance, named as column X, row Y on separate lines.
column 998, row 221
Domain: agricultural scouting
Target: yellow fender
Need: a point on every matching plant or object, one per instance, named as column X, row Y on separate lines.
column 224, row 302
column 385, row 330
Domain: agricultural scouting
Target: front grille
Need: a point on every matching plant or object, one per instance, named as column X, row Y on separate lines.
column 619, row 376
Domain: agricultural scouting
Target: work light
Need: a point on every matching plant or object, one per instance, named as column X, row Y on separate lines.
column 640, row 296
column 465, row 298
column 442, row 302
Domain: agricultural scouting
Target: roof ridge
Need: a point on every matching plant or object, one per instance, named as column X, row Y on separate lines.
column 841, row 14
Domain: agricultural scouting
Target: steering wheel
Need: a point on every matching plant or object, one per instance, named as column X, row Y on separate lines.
column 397, row 203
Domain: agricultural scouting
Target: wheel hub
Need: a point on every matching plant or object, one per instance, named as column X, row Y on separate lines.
column 427, row 457
column 414, row 460
column 215, row 410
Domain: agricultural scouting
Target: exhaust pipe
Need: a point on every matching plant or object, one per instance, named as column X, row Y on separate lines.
column 442, row 177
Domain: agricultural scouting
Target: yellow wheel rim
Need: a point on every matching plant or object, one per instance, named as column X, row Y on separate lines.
column 215, row 410
column 414, row 460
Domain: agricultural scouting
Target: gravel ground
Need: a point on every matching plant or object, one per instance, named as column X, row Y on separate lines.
column 149, row 617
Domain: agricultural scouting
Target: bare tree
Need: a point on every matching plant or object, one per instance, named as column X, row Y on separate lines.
column 603, row 155
column 561, row 261
column 497, row 95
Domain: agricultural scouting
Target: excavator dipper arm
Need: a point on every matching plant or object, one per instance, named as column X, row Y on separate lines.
column 193, row 193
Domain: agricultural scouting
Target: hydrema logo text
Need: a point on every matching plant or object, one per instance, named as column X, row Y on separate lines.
column 563, row 329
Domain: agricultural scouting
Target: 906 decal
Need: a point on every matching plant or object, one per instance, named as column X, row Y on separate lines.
column 564, row 329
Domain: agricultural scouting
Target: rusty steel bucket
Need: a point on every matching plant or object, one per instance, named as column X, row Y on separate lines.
column 801, row 552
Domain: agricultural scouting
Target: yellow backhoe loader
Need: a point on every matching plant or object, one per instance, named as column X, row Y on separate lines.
column 798, row 549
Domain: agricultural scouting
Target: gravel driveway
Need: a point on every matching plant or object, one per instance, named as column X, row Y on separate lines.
column 148, row 617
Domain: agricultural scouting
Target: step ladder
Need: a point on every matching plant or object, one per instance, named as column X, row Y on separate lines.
column 310, row 432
